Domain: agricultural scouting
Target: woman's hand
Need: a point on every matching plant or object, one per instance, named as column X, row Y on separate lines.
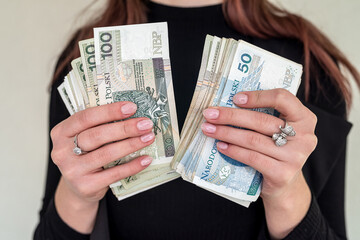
column 285, row 192
column 84, row 182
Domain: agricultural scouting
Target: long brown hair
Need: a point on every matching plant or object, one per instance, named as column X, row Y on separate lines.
column 257, row 18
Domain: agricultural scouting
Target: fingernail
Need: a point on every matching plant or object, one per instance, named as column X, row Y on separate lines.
column 144, row 124
column 146, row 161
column 222, row 145
column 240, row 98
column 128, row 108
column 208, row 127
column 211, row 113
column 147, row 137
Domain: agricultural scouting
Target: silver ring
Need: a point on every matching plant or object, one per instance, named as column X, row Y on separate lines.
column 288, row 130
column 280, row 138
column 77, row 150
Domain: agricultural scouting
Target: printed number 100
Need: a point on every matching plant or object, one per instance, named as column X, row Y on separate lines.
column 243, row 66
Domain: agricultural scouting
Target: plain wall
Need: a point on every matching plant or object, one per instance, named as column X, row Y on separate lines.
column 33, row 33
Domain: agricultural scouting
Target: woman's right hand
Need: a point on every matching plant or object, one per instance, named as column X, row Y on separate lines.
column 84, row 182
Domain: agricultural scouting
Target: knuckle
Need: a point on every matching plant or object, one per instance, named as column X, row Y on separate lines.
column 265, row 120
column 280, row 96
column 299, row 159
column 55, row 132
column 253, row 156
column 94, row 135
column 134, row 144
column 254, row 140
column 258, row 96
column 223, row 131
column 107, row 154
column 103, row 154
column 56, row 156
column 84, row 117
column 126, row 128
column 313, row 118
column 227, row 113
column 315, row 141
column 281, row 92
column 312, row 141
column 112, row 111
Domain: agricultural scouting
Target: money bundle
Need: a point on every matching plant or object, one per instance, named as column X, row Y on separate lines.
column 228, row 67
column 132, row 63
column 129, row 63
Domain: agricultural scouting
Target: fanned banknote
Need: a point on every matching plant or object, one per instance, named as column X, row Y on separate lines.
column 129, row 63
column 230, row 67
column 87, row 52
column 66, row 98
column 81, row 80
column 142, row 80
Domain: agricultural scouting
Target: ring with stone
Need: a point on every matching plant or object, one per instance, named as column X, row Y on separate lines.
column 77, row 150
column 280, row 138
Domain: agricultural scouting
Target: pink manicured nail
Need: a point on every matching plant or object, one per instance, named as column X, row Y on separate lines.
column 144, row 125
column 147, row 137
column 240, row 98
column 128, row 108
column 211, row 113
column 146, row 161
column 222, row 145
column 208, row 127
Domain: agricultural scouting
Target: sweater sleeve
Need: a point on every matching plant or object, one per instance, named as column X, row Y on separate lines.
column 325, row 169
column 325, row 218
column 325, row 175
column 51, row 226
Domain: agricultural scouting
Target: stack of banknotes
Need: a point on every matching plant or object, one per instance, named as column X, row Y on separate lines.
column 228, row 67
column 132, row 63
column 129, row 63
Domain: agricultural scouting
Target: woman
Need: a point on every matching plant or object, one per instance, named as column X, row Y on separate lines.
column 303, row 185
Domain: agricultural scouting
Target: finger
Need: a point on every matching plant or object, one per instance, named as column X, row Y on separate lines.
column 260, row 162
column 257, row 121
column 114, row 174
column 95, row 116
column 280, row 99
column 244, row 138
column 115, row 151
column 96, row 137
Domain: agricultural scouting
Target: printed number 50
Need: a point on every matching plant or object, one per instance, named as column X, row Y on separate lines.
column 246, row 59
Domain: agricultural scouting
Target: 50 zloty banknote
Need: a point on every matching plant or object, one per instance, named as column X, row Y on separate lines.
column 244, row 68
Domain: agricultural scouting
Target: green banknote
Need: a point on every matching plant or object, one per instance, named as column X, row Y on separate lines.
column 81, row 79
column 129, row 63
column 87, row 52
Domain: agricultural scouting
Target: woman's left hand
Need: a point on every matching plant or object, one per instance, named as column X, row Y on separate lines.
column 281, row 167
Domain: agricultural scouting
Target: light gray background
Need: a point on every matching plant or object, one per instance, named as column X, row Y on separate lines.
column 32, row 35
